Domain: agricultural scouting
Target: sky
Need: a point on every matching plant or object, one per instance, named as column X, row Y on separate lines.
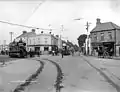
column 56, row 13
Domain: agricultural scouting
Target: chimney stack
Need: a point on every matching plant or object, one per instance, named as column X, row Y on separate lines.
column 49, row 32
column 24, row 32
column 98, row 21
column 57, row 35
column 33, row 30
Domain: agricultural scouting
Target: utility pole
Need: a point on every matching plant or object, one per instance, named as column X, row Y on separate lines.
column 11, row 34
column 62, row 27
column 87, row 28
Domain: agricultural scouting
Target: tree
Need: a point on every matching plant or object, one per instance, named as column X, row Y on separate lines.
column 81, row 39
column 76, row 47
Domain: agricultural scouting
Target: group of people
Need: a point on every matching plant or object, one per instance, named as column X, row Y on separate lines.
column 4, row 52
column 105, row 52
column 33, row 53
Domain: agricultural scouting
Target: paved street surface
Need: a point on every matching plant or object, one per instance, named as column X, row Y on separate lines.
column 79, row 77
column 15, row 73
column 81, row 74
column 6, row 58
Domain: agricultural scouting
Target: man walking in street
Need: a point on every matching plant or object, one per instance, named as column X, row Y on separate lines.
column 62, row 52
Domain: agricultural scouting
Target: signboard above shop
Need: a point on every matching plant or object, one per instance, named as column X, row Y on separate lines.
column 97, row 44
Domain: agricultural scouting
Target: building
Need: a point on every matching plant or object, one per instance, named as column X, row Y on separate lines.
column 43, row 42
column 106, row 35
column 28, row 38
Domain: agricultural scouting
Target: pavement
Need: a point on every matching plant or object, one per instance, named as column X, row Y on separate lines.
column 16, row 72
column 114, row 57
column 109, row 67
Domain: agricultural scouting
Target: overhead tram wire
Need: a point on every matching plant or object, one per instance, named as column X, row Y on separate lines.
column 28, row 19
column 22, row 25
column 36, row 8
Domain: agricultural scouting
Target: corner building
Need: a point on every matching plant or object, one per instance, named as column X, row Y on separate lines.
column 106, row 35
column 44, row 42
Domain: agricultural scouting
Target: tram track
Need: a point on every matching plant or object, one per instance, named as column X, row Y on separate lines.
column 58, row 83
column 30, row 79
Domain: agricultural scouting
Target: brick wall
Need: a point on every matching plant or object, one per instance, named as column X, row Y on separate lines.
column 106, row 36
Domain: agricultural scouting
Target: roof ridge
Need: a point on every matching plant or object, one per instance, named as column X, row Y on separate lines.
column 112, row 25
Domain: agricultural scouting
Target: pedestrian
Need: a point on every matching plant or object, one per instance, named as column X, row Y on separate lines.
column 53, row 52
column 62, row 52
column 31, row 53
column 38, row 53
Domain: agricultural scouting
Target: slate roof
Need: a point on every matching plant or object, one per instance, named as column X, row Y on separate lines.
column 105, row 26
column 28, row 34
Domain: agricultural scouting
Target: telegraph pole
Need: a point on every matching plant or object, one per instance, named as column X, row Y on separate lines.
column 87, row 47
column 62, row 27
column 11, row 34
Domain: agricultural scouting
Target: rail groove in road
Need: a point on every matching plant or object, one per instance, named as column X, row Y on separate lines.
column 60, row 75
column 30, row 79
column 104, row 75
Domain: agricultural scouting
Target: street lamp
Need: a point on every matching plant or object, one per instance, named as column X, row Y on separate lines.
column 87, row 40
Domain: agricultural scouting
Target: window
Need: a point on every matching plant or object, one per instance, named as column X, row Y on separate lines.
column 95, row 37
column 30, row 41
column 102, row 36
column 46, row 40
column 38, row 40
column 34, row 41
column 110, row 35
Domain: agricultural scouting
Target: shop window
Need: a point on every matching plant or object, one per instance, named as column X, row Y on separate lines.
column 102, row 36
column 110, row 35
column 46, row 48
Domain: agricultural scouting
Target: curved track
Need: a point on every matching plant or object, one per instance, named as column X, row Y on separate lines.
column 58, row 83
column 60, row 75
column 30, row 79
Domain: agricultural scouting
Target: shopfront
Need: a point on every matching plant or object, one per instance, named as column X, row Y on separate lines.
column 109, row 46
